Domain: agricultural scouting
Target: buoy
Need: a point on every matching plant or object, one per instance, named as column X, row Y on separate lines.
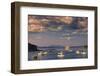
column 45, row 53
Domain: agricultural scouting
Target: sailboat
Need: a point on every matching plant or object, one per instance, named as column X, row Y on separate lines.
column 40, row 53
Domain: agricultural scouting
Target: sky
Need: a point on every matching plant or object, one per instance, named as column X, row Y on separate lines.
column 46, row 30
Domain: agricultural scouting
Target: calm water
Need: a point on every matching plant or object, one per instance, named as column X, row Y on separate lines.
column 51, row 53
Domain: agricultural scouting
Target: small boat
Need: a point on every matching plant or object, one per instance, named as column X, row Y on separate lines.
column 83, row 53
column 40, row 53
column 45, row 53
column 78, row 52
column 34, row 57
column 60, row 55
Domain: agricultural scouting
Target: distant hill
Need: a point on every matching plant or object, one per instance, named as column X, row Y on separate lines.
column 60, row 46
column 85, row 46
column 56, row 46
column 32, row 47
column 52, row 46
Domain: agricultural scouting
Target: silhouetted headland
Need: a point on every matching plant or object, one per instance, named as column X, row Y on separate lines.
column 32, row 47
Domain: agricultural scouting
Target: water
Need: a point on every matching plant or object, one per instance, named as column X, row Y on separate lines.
column 75, row 52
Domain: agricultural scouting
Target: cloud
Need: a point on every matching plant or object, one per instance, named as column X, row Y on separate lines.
column 57, row 28
column 67, row 19
column 83, row 23
column 35, row 25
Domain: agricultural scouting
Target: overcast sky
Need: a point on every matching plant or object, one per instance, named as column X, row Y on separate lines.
column 56, row 30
